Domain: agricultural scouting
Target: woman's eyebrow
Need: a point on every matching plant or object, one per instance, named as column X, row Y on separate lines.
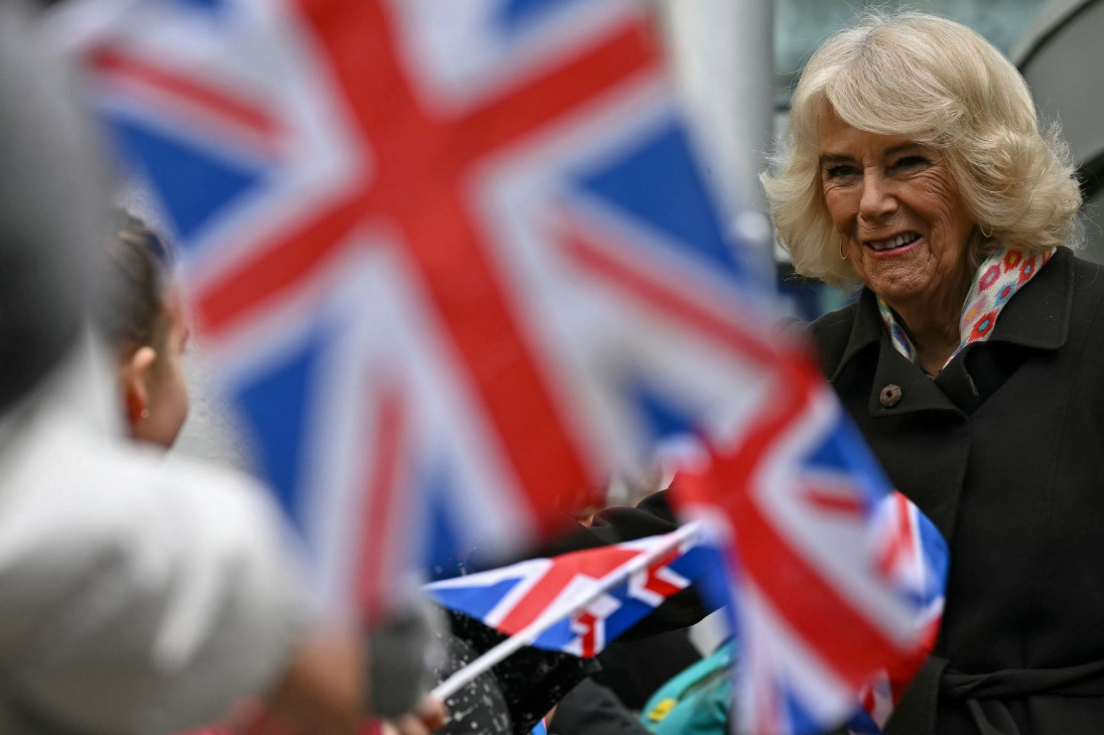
column 902, row 147
column 835, row 158
column 830, row 158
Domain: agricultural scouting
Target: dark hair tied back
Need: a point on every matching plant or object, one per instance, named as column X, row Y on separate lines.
column 134, row 307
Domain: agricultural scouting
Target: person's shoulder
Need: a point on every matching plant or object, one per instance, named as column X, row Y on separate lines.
column 1087, row 276
column 830, row 335
column 1085, row 298
column 826, row 327
column 91, row 503
column 835, row 324
column 1085, row 305
column 1085, row 319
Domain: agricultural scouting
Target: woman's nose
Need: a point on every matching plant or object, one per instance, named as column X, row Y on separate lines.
column 877, row 199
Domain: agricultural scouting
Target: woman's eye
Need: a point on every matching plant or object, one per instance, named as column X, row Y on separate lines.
column 910, row 162
column 840, row 171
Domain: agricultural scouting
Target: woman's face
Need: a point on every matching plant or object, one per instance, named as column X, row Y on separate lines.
column 897, row 208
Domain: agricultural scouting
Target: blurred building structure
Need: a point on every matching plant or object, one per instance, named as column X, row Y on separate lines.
column 803, row 24
column 722, row 52
column 1059, row 55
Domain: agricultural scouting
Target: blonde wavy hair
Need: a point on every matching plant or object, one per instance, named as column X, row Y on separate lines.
column 943, row 85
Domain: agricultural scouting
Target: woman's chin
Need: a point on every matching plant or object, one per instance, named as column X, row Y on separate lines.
column 897, row 287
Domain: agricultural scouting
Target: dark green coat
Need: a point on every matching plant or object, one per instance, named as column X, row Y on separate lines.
column 1004, row 451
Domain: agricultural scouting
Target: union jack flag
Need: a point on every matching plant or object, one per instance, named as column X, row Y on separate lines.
column 586, row 597
column 837, row 580
column 910, row 553
column 455, row 260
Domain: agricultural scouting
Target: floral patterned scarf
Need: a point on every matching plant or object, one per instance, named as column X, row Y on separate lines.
column 997, row 280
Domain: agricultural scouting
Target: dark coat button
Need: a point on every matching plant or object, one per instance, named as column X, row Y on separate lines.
column 890, row 395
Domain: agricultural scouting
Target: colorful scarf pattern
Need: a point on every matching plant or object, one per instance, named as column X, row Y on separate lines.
column 998, row 279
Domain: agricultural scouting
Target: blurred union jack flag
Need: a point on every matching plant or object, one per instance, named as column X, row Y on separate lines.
column 584, row 599
column 910, row 552
column 837, row 580
column 455, row 260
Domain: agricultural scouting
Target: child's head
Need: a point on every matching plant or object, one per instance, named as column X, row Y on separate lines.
column 147, row 328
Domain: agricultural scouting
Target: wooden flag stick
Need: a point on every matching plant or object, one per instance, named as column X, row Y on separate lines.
column 553, row 615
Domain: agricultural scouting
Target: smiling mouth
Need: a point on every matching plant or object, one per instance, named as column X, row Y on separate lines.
column 894, row 242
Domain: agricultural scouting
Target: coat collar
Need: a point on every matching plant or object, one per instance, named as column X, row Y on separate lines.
column 1037, row 317
column 866, row 330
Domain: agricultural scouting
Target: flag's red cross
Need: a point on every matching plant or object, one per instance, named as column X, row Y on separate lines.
column 231, row 111
column 563, row 571
column 586, row 624
column 900, row 547
column 802, row 597
column 417, row 185
column 655, row 583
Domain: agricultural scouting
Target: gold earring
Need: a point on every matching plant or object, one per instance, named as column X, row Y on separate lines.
column 145, row 413
column 843, row 253
column 987, row 235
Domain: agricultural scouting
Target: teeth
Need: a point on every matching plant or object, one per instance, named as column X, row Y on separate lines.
column 895, row 242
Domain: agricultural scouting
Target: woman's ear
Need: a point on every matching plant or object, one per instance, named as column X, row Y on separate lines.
column 136, row 376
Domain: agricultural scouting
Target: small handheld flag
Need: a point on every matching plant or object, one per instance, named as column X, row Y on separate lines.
column 575, row 603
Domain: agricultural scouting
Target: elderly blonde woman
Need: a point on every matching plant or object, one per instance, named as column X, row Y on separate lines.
column 972, row 360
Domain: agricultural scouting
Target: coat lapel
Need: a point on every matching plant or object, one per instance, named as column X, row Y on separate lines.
column 917, row 391
column 1036, row 319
